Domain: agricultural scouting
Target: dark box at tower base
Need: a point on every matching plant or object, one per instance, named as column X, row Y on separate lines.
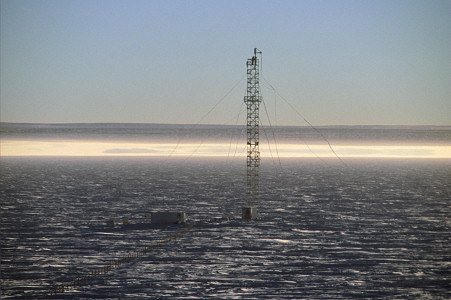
column 249, row 212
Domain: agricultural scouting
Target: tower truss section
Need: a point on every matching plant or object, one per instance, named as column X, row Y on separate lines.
column 252, row 101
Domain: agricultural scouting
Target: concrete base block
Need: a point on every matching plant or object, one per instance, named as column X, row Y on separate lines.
column 249, row 212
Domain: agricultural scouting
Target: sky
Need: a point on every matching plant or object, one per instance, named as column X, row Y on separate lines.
column 385, row 62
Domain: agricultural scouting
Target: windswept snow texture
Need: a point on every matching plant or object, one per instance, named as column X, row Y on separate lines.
column 372, row 229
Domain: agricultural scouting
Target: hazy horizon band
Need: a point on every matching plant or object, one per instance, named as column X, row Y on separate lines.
column 208, row 149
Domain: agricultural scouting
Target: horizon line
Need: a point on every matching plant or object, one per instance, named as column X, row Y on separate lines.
column 207, row 124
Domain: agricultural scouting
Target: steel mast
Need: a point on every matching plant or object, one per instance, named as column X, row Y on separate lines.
column 252, row 101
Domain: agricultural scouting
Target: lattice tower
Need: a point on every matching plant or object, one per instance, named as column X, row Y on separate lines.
column 252, row 101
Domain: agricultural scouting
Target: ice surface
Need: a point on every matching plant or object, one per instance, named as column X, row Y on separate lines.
column 373, row 229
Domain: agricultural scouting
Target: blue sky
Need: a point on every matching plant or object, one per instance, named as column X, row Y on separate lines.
column 338, row 62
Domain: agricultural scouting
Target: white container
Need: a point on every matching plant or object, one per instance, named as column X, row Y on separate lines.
column 168, row 217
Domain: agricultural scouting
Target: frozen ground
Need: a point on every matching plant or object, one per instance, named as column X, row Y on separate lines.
column 374, row 229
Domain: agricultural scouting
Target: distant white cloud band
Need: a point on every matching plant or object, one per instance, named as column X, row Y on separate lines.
column 96, row 148
column 129, row 150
